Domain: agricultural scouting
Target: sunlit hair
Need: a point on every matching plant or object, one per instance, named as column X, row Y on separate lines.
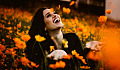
column 38, row 24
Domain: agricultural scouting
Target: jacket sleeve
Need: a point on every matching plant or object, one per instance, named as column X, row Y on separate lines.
column 32, row 51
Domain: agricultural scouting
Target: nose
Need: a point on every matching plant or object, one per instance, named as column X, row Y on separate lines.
column 54, row 15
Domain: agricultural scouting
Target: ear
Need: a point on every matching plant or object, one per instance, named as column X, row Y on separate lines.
column 45, row 29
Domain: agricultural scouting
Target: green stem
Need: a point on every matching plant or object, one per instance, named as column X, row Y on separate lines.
column 73, row 61
column 33, row 45
column 44, row 56
column 75, row 64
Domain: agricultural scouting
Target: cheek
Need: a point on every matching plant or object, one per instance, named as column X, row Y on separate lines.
column 47, row 21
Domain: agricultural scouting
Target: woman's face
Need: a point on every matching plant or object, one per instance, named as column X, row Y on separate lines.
column 52, row 20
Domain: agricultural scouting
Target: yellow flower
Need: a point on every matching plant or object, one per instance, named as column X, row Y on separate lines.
column 28, row 27
column 74, row 52
column 39, row 38
column 52, row 48
column 65, row 42
column 52, row 38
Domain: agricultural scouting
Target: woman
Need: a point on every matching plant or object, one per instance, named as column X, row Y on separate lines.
column 48, row 25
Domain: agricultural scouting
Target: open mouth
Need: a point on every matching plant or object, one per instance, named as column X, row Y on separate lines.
column 56, row 20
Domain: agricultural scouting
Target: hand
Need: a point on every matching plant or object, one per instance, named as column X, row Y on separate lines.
column 57, row 54
column 94, row 45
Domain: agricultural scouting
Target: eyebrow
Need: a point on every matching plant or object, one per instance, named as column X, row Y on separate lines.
column 47, row 13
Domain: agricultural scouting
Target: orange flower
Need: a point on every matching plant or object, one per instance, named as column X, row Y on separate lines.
column 59, row 64
column 16, row 40
column 2, row 47
column 68, row 56
column 90, row 55
column 72, row 2
column 24, row 60
column 8, row 28
column 51, row 9
column 59, row 7
column 39, row 38
column 94, row 55
column 52, row 66
column 21, row 45
column 34, row 65
column 83, row 60
column 66, row 10
column 25, row 37
column 79, row 57
column 1, row 52
column 108, row 11
column 19, row 25
column 102, row 19
column 84, row 67
column 80, row 29
column 14, row 28
column 101, row 69
column 62, row 64
column 11, row 51
column 52, row 48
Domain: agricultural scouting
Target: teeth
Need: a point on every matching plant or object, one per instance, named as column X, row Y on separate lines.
column 56, row 20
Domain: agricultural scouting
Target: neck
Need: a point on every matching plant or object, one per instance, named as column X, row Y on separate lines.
column 57, row 33
column 57, row 37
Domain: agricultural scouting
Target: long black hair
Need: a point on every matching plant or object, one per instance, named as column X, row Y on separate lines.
column 38, row 24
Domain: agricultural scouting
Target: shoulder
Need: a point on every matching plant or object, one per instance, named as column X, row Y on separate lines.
column 70, row 35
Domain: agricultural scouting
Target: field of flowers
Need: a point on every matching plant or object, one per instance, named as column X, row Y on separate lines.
column 15, row 24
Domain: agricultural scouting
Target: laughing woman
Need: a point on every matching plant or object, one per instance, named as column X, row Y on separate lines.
column 48, row 24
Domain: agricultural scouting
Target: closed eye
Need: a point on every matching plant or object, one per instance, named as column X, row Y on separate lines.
column 48, row 15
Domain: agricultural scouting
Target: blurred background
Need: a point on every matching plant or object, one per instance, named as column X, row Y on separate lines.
column 95, row 7
column 91, row 20
column 87, row 6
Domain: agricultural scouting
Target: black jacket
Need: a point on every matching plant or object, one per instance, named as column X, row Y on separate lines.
column 35, row 54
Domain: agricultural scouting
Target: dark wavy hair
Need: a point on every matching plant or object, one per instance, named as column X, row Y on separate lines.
column 38, row 24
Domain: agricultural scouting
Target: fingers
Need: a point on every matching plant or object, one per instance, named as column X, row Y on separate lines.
column 51, row 54
column 94, row 45
column 57, row 54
